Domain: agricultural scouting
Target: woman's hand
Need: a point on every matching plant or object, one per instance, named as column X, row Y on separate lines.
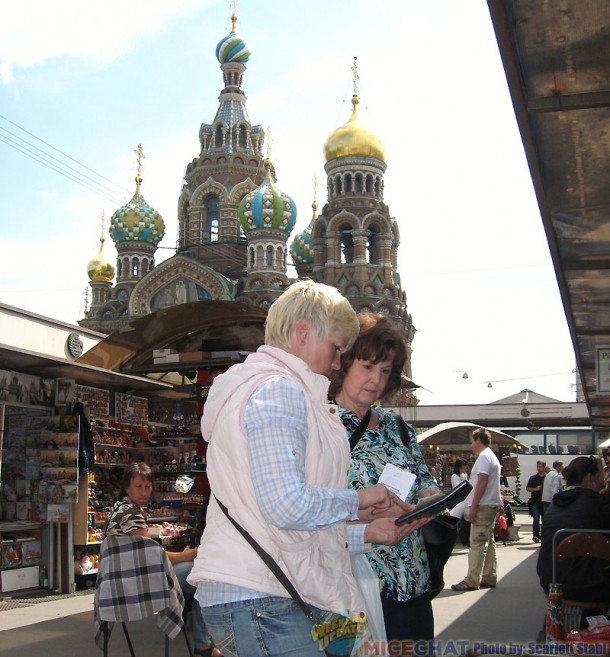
column 384, row 531
column 379, row 502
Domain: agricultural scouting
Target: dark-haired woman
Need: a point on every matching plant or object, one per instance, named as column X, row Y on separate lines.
column 460, row 472
column 371, row 370
column 127, row 518
column 578, row 506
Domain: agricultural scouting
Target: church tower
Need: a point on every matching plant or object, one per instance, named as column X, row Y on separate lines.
column 267, row 216
column 229, row 165
column 355, row 239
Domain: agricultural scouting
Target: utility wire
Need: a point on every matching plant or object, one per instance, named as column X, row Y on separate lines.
column 102, row 189
column 58, row 169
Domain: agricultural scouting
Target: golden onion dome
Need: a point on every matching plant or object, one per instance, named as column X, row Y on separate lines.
column 100, row 270
column 353, row 139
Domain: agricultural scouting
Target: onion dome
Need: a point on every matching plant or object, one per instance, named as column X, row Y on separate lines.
column 352, row 139
column 137, row 221
column 232, row 48
column 98, row 269
column 267, row 207
column 301, row 248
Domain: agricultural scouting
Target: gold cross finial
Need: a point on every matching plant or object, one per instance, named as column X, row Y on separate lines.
column 86, row 302
column 139, row 151
column 234, row 17
column 354, row 68
column 269, row 140
column 103, row 222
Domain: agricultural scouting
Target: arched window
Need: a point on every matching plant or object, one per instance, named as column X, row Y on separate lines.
column 377, row 186
column 373, row 246
column 369, row 183
column 338, row 185
column 144, row 266
column 219, row 135
column 348, row 183
column 269, row 256
column 358, row 180
column 135, row 267
column 347, row 244
column 212, row 216
column 243, row 137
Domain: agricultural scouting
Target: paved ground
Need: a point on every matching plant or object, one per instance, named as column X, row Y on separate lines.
column 489, row 621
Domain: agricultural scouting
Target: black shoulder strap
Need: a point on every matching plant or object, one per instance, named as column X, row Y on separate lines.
column 404, row 432
column 359, row 430
column 271, row 564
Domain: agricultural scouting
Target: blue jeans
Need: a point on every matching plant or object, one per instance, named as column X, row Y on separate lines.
column 263, row 627
column 201, row 636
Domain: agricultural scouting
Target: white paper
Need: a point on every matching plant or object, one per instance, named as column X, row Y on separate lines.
column 397, row 480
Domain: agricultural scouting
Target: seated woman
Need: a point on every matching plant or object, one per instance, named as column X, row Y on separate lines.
column 578, row 506
column 127, row 517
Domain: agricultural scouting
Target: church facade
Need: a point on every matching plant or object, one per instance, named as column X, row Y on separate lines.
column 235, row 225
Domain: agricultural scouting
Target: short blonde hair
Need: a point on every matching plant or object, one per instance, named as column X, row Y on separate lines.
column 323, row 306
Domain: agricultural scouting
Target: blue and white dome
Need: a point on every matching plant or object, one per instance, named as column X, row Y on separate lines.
column 232, row 48
column 267, row 207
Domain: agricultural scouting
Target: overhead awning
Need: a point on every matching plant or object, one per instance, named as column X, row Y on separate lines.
column 182, row 338
column 556, row 57
column 457, row 436
column 43, row 365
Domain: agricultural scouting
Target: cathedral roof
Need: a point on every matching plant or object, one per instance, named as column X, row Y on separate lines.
column 232, row 48
column 137, row 221
column 267, row 207
column 353, row 139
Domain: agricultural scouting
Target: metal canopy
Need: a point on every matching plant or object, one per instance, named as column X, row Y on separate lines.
column 202, row 334
column 556, row 56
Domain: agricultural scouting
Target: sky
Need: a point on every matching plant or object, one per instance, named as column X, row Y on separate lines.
column 82, row 84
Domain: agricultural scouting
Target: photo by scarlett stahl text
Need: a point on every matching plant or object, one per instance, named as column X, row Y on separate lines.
column 467, row 648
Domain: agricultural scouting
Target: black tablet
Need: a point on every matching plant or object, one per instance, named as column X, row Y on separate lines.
column 436, row 504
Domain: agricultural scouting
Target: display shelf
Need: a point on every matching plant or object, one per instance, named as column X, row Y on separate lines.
column 14, row 535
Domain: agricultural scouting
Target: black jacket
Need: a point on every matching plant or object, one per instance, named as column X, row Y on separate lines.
column 581, row 578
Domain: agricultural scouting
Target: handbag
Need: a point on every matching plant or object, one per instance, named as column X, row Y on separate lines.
column 339, row 633
column 439, row 534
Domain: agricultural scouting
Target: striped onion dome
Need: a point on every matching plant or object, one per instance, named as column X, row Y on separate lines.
column 232, row 48
column 267, row 207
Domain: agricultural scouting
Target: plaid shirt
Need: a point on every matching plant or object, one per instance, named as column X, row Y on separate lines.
column 136, row 580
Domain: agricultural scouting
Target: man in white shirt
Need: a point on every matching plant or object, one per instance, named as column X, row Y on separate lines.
column 552, row 484
column 482, row 506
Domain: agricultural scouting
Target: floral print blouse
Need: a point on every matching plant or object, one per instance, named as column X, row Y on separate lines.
column 403, row 569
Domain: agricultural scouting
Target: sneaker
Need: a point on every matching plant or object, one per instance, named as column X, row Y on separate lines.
column 484, row 585
column 536, row 539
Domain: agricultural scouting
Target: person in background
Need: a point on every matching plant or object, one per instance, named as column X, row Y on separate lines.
column 435, row 476
column 371, row 370
column 460, row 472
column 534, row 488
column 551, row 484
column 482, row 506
column 127, row 518
column 578, row 506
column 277, row 460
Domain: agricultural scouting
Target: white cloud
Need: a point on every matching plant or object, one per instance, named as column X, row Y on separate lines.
column 33, row 31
